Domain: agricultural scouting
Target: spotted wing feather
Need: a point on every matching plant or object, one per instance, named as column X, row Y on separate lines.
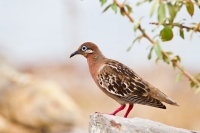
column 121, row 81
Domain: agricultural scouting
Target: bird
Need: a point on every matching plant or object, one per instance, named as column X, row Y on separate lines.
column 120, row 82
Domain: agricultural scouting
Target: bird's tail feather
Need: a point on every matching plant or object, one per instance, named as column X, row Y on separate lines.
column 166, row 99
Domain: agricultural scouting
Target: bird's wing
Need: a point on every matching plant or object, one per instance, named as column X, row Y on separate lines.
column 121, row 81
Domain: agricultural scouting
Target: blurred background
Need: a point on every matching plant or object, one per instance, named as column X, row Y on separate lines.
column 42, row 90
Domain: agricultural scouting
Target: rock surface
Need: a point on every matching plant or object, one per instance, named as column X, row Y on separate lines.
column 34, row 104
column 103, row 123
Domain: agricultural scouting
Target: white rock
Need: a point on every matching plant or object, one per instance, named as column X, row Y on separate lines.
column 103, row 123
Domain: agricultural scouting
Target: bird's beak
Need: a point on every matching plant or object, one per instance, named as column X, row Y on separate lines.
column 75, row 53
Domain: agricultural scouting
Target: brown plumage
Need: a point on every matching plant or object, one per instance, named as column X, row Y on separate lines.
column 120, row 82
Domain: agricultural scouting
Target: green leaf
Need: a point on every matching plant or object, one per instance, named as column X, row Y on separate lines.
column 157, row 60
column 178, row 77
column 190, row 8
column 169, row 53
column 137, row 38
column 182, row 68
column 179, row 59
column 141, row 2
column 158, row 50
column 153, row 7
column 103, row 2
column 129, row 8
column 129, row 48
column 106, row 8
column 181, row 33
column 172, row 11
column 192, row 84
column 197, row 90
column 122, row 12
column 136, row 24
column 150, row 53
column 166, row 33
column 161, row 13
column 140, row 38
column 174, row 66
column 167, row 60
column 178, row 5
column 197, row 75
column 114, row 7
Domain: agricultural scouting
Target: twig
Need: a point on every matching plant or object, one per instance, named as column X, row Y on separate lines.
column 188, row 75
column 181, row 26
column 121, row 6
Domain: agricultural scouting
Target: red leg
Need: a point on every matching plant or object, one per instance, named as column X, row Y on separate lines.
column 128, row 110
column 119, row 109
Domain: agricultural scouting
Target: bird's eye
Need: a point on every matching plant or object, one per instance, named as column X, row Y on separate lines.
column 84, row 48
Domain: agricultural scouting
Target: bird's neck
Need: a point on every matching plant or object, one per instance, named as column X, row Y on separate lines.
column 94, row 61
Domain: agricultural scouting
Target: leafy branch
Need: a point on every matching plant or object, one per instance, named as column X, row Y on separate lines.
column 195, row 28
column 166, row 33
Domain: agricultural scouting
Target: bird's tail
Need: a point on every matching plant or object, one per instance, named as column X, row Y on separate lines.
column 166, row 99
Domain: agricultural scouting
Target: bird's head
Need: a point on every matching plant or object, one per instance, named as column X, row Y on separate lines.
column 87, row 49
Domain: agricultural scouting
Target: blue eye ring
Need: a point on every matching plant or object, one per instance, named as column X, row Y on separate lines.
column 84, row 48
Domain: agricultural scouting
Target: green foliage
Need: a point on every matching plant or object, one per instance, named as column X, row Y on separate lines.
column 106, row 8
column 153, row 7
column 172, row 11
column 136, row 39
column 178, row 77
column 192, row 84
column 197, row 90
column 166, row 59
column 167, row 11
column 181, row 33
column 166, row 33
column 136, row 24
column 114, row 7
column 177, row 58
column 158, row 50
column 178, row 5
column 161, row 13
column 129, row 8
column 150, row 53
column 103, row 2
column 190, row 7
column 142, row 2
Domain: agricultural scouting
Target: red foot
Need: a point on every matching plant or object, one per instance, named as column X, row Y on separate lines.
column 117, row 110
column 130, row 107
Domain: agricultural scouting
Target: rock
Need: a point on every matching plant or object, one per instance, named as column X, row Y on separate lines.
column 35, row 103
column 103, row 123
